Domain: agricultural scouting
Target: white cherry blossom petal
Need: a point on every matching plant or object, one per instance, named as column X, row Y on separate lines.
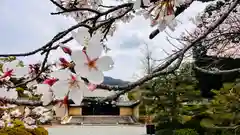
column 79, row 57
column 29, row 120
column 146, row 2
column 10, row 65
column 137, row 4
column 94, row 51
column 47, row 98
column 105, row 63
column 20, row 71
column 83, row 86
column 61, row 74
column 60, row 89
column 42, row 88
column 60, row 110
column 172, row 25
column 162, row 26
column 76, row 95
column 81, row 35
column 78, row 38
column 169, row 18
column 82, row 70
column 95, row 76
column 27, row 111
column 95, row 39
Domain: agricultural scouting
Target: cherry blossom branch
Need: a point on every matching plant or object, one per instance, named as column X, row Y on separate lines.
column 42, row 69
column 81, row 24
column 65, row 10
column 113, row 8
column 180, row 53
column 163, row 69
column 129, row 87
column 21, row 102
column 216, row 71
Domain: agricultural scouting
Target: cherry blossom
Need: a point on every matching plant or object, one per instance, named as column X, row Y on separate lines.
column 137, row 4
column 68, row 84
column 29, row 120
column 2, row 123
column 45, row 90
column 65, row 49
column 45, row 118
column 6, row 117
column 60, row 110
column 39, row 110
column 16, row 113
column 223, row 41
column 83, row 37
column 47, row 95
column 65, row 64
column 78, row 15
column 30, row 126
column 27, row 111
column 13, row 69
column 90, row 65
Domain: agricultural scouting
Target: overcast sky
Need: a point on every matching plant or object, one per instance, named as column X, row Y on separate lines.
column 27, row 24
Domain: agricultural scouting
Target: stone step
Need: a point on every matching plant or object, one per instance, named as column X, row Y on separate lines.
column 102, row 120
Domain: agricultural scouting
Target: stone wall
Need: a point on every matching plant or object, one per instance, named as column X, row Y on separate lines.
column 126, row 111
column 75, row 111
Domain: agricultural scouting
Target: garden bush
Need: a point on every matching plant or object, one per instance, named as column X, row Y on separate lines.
column 19, row 129
column 185, row 131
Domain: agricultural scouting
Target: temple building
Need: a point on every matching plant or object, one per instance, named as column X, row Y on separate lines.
column 120, row 111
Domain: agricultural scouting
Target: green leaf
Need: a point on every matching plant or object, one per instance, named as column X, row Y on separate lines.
column 227, row 116
column 185, row 118
column 208, row 123
column 228, row 86
column 19, row 89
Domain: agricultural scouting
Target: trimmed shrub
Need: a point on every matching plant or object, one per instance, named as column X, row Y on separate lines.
column 19, row 129
column 185, row 131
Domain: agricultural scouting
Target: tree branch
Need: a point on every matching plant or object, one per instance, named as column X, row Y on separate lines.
column 141, row 81
column 172, row 59
column 159, row 71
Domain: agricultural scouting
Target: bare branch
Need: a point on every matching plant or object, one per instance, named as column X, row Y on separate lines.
column 158, row 71
column 141, row 81
column 161, row 70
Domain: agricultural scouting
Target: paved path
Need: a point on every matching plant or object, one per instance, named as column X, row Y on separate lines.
column 97, row 130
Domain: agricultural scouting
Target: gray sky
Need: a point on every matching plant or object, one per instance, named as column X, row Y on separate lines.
column 27, row 24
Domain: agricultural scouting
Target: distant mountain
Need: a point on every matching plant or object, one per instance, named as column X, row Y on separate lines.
column 111, row 81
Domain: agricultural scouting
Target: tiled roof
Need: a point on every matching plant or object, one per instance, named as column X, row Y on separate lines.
column 120, row 103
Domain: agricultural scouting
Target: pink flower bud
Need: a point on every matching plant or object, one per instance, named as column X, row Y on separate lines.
column 8, row 73
column 74, row 78
column 66, row 50
column 50, row 82
column 64, row 62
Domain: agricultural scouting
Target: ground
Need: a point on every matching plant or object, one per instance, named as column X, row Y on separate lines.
column 97, row 130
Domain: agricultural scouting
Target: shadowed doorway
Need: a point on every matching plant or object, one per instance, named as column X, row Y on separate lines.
column 100, row 109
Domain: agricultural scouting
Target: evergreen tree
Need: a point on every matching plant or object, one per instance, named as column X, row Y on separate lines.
column 173, row 99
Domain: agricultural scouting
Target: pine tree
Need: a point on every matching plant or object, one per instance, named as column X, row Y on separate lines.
column 173, row 99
